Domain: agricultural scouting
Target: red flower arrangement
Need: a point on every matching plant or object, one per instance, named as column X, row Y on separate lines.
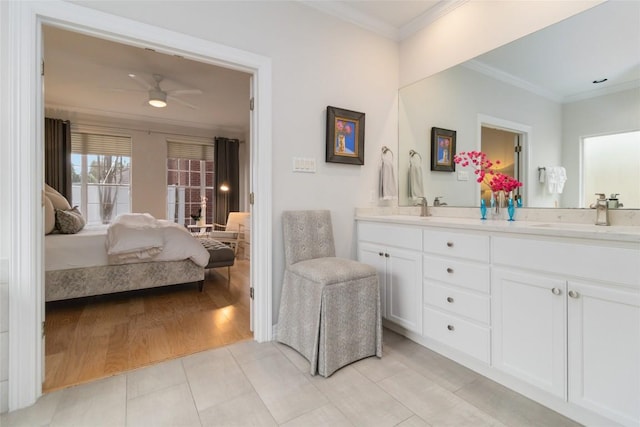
column 486, row 172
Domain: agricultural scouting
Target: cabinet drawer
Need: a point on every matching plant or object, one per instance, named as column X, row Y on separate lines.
column 457, row 333
column 447, row 243
column 460, row 273
column 390, row 235
column 457, row 301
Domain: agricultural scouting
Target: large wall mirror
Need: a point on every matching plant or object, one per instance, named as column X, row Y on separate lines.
column 539, row 93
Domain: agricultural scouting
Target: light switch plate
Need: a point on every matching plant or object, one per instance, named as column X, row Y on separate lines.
column 304, row 164
column 463, row 176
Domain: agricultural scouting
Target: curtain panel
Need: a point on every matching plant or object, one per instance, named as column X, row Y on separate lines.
column 57, row 155
column 226, row 174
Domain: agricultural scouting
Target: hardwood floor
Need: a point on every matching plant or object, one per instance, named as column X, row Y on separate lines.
column 101, row 336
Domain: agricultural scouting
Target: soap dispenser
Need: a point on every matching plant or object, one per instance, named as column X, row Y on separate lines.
column 613, row 202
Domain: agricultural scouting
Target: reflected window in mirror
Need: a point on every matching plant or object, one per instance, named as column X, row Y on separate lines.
column 611, row 165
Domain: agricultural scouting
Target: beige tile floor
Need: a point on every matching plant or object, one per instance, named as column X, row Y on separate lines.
column 268, row 384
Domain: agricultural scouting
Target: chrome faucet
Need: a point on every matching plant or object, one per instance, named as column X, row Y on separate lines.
column 424, row 210
column 437, row 202
column 602, row 209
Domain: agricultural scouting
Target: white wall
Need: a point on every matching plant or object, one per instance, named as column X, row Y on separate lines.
column 613, row 113
column 454, row 99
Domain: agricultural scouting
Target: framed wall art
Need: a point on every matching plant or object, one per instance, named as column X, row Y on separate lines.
column 443, row 148
column 345, row 136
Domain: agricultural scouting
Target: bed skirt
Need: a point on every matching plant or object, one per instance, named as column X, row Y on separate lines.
column 90, row 281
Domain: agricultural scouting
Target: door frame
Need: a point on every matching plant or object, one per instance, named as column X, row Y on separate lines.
column 526, row 136
column 23, row 105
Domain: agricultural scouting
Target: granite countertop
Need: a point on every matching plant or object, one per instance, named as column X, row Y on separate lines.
column 621, row 233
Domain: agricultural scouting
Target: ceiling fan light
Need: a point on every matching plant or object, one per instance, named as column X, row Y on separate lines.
column 157, row 98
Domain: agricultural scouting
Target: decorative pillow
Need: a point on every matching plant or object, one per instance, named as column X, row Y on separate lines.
column 49, row 215
column 69, row 221
column 58, row 201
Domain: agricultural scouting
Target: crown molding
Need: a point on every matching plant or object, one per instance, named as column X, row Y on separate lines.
column 633, row 84
column 349, row 14
column 511, row 79
column 430, row 16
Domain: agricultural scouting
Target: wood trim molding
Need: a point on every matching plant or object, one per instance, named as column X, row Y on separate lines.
column 22, row 105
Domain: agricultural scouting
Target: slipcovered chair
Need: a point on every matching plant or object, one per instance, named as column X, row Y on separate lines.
column 330, row 307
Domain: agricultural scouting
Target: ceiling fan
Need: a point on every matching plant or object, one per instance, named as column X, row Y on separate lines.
column 158, row 97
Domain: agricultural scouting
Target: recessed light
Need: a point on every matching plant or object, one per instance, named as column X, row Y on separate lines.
column 599, row 81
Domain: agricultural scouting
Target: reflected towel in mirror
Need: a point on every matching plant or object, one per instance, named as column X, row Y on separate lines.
column 556, row 176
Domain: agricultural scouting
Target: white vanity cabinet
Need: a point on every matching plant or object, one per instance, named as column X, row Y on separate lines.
column 456, row 291
column 396, row 252
column 566, row 318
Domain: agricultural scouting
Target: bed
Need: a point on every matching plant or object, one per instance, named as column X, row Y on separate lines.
column 102, row 259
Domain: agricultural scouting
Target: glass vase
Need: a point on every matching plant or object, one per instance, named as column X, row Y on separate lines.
column 483, row 209
column 511, row 209
column 498, row 204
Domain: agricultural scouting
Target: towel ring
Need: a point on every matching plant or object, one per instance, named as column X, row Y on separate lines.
column 414, row 153
column 386, row 149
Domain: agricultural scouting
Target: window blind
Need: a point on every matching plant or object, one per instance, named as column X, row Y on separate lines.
column 189, row 150
column 93, row 143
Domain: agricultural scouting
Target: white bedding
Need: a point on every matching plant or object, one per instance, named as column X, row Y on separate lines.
column 84, row 249
column 130, row 238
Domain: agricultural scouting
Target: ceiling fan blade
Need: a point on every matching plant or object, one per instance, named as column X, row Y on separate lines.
column 180, row 101
column 184, row 92
column 141, row 82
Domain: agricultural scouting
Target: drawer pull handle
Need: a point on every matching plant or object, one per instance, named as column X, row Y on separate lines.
column 574, row 294
column 449, row 270
column 449, row 300
column 556, row 291
column 449, row 244
column 450, row 327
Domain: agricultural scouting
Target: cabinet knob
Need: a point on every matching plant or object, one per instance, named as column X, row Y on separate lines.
column 449, row 244
column 556, row 291
column 449, row 300
column 386, row 255
column 574, row 294
column 450, row 327
column 380, row 254
column 449, row 270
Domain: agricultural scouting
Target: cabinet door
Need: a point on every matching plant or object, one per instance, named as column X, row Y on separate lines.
column 604, row 351
column 374, row 255
column 404, row 288
column 528, row 314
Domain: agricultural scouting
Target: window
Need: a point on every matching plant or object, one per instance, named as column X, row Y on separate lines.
column 101, row 175
column 189, row 179
column 611, row 165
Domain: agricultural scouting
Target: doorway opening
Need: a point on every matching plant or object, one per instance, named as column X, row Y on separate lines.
column 100, row 336
column 508, row 142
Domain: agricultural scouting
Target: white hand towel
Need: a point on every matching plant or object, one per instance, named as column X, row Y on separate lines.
column 556, row 177
column 416, row 189
column 388, row 189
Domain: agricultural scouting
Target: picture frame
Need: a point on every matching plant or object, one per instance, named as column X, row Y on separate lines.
column 443, row 148
column 345, row 136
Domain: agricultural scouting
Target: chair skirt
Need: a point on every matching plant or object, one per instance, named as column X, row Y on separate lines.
column 332, row 323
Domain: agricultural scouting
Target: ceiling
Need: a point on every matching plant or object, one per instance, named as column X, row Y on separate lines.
column 86, row 75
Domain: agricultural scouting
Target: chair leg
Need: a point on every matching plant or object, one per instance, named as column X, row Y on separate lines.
column 201, row 285
column 228, row 276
